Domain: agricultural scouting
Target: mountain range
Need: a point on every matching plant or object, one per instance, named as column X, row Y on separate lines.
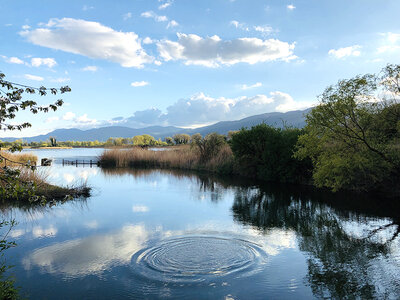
column 292, row 118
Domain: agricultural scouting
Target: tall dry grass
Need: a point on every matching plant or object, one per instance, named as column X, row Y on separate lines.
column 15, row 159
column 183, row 157
column 38, row 177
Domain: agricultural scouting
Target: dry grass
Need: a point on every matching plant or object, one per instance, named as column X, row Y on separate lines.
column 23, row 158
column 183, row 157
column 39, row 178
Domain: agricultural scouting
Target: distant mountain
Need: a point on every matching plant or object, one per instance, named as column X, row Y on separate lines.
column 292, row 118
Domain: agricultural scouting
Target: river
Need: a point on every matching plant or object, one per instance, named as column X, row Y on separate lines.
column 147, row 234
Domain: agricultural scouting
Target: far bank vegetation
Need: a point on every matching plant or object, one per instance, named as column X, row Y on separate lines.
column 351, row 142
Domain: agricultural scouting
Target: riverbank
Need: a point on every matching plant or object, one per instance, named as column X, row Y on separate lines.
column 22, row 181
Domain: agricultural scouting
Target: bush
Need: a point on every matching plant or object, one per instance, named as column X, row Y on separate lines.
column 266, row 153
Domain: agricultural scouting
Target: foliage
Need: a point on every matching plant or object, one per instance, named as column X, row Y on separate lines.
column 11, row 185
column 53, row 141
column 209, row 146
column 266, row 153
column 353, row 135
column 169, row 140
column 7, row 289
column 181, row 138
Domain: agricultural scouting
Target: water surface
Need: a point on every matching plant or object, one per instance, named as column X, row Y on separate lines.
column 164, row 234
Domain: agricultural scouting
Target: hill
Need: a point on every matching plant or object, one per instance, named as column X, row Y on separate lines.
column 292, row 118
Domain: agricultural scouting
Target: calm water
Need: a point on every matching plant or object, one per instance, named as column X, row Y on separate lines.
column 160, row 234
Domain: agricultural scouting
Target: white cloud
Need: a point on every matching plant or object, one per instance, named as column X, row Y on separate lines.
column 127, row 16
column 153, row 15
column 12, row 60
column 15, row 60
column 213, row 52
column 68, row 116
column 172, row 23
column 25, row 27
column 264, row 29
column 85, row 120
column 202, row 109
column 90, row 39
column 39, row 232
column 345, row 52
column 92, row 224
column 239, row 25
column 60, row 79
column 252, row 86
column 96, row 253
column 90, row 68
column 139, row 83
column 33, row 77
column 37, row 62
column 157, row 62
column 52, row 119
column 140, row 208
column 390, row 42
column 165, row 4
column 290, row 7
column 147, row 40
column 87, row 7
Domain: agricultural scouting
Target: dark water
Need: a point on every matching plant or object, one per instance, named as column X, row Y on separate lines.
column 160, row 234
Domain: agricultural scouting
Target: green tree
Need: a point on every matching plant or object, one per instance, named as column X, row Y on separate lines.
column 266, row 153
column 181, row 138
column 169, row 140
column 53, row 141
column 11, row 102
column 353, row 135
column 209, row 146
column 11, row 185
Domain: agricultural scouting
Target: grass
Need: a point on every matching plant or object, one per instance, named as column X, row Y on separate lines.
column 183, row 157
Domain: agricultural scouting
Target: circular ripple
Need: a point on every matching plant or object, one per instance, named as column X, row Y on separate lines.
column 198, row 258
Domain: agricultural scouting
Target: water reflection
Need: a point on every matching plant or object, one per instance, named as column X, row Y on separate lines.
column 162, row 233
column 342, row 261
column 91, row 255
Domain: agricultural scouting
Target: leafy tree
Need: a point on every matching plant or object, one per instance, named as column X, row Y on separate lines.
column 209, row 146
column 169, row 140
column 181, row 138
column 53, row 141
column 11, row 94
column 353, row 135
column 266, row 153
column 11, row 185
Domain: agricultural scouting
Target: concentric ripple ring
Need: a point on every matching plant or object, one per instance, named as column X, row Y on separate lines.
column 198, row 258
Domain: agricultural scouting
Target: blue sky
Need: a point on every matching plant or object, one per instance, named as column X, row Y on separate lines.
column 189, row 63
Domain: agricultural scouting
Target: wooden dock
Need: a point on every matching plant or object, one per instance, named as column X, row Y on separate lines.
column 79, row 162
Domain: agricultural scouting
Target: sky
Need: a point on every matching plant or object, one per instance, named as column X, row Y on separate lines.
column 188, row 63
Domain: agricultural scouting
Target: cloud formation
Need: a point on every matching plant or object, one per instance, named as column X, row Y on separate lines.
column 139, row 83
column 213, row 51
column 13, row 60
column 33, row 77
column 49, row 62
column 90, row 39
column 90, row 68
column 165, row 4
column 251, row 86
column 345, row 52
column 201, row 109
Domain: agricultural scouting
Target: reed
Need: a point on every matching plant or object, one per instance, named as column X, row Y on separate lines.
column 38, row 177
column 183, row 157
column 13, row 160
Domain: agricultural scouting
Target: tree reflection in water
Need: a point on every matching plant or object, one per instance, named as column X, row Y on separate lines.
column 342, row 261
